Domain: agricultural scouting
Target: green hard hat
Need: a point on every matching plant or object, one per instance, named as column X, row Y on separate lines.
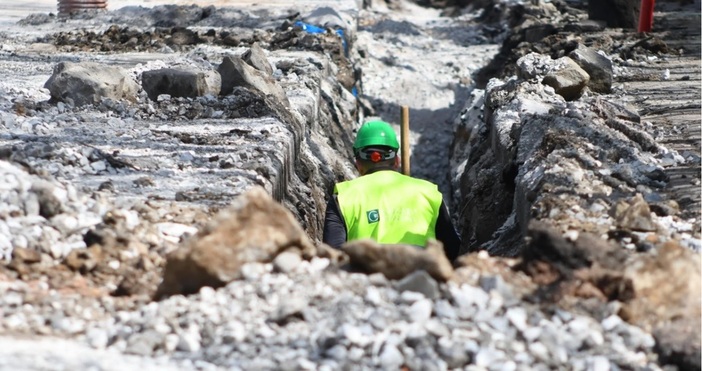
column 376, row 133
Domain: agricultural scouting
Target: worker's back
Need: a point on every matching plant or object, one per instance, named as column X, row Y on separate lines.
column 389, row 207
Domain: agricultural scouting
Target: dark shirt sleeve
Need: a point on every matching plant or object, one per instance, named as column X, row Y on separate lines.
column 446, row 233
column 334, row 226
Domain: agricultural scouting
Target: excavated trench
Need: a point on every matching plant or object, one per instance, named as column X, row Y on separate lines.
column 203, row 152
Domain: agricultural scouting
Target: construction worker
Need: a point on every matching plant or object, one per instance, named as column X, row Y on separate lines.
column 383, row 204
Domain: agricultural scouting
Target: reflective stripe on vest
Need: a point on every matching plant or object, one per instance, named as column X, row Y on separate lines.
column 389, row 207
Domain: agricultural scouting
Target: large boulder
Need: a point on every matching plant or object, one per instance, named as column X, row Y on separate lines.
column 88, row 83
column 180, row 83
column 254, row 229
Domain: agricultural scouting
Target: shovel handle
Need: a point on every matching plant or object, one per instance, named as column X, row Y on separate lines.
column 404, row 139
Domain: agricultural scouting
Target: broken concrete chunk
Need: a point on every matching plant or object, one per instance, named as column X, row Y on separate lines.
column 534, row 65
column 180, row 83
column 568, row 81
column 398, row 261
column 256, row 58
column 88, row 83
column 254, row 229
column 235, row 72
column 596, row 65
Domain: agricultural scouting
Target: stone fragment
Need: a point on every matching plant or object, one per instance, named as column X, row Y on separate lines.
column 49, row 203
column 84, row 260
column 597, row 66
column 568, row 81
column 678, row 344
column 634, row 215
column 254, row 229
column 421, row 310
column 398, row 261
column 236, row 72
column 25, row 255
column 88, row 83
column 420, row 281
column 286, row 261
column 256, row 58
column 668, row 288
column 180, row 83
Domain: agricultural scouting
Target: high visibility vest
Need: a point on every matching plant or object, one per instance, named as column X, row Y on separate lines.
column 389, row 207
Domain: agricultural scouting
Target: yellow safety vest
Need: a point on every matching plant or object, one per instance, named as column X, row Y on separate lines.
column 389, row 207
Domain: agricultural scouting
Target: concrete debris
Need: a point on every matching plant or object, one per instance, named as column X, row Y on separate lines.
column 180, row 83
column 236, row 72
column 568, row 80
column 597, row 66
column 254, row 229
column 88, row 83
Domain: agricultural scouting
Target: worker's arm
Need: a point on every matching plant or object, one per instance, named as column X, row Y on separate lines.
column 334, row 226
column 446, row 233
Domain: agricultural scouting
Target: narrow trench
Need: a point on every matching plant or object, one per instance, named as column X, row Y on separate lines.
column 428, row 64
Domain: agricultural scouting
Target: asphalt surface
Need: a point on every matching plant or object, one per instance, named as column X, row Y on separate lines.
column 674, row 103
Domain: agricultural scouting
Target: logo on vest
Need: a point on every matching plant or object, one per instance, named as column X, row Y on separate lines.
column 373, row 216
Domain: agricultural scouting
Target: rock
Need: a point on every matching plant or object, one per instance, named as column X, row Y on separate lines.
column 453, row 353
column 25, row 255
column 84, row 260
column 398, row 261
column 421, row 310
column 50, row 204
column 678, row 344
column 568, row 81
column 634, row 215
column 189, row 341
column 254, row 229
column 667, row 287
column 88, row 83
column 286, row 261
column 391, row 357
column 256, row 58
column 180, row 83
column 144, row 343
column 235, row 72
column 548, row 245
column 334, row 255
column 289, row 310
column 420, row 281
column 596, row 65
column 97, row 338
column 534, row 65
